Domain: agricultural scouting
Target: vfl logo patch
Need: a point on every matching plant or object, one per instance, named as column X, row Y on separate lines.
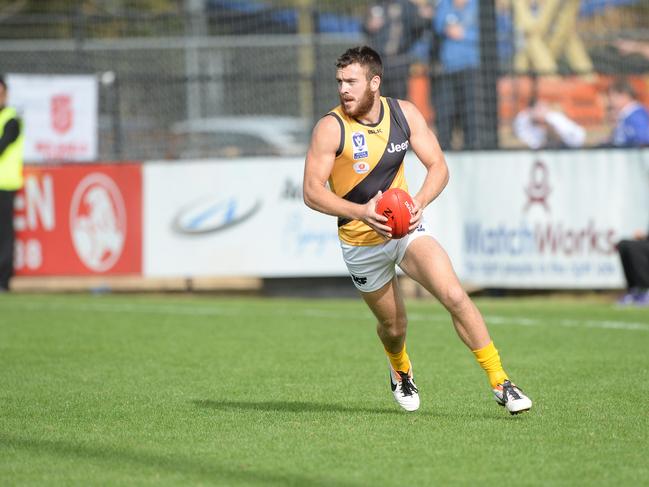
column 361, row 281
column 359, row 145
column 361, row 167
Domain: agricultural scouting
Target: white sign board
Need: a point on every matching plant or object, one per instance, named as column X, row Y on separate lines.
column 59, row 115
column 507, row 219
column 544, row 219
column 241, row 218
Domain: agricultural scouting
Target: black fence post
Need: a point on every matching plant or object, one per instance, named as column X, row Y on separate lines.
column 489, row 69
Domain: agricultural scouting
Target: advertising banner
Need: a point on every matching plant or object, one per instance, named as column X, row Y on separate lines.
column 234, row 218
column 79, row 220
column 59, row 115
column 544, row 219
column 507, row 219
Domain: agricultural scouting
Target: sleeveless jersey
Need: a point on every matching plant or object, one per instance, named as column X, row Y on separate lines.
column 369, row 158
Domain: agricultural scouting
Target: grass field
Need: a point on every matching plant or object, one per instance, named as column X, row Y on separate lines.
column 195, row 390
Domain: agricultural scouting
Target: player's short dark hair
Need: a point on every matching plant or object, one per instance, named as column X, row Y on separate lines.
column 3, row 83
column 365, row 56
column 621, row 85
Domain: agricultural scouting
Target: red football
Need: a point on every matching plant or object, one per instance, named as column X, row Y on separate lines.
column 397, row 206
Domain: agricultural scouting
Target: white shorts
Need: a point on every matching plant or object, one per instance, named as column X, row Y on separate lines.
column 372, row 266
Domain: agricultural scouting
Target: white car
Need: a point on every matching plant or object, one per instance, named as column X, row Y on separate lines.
column 240, row 136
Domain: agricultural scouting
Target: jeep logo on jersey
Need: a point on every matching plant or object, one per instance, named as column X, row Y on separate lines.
column 214, row 214
column 361, row 167
column 397, row 148
column 359, row 145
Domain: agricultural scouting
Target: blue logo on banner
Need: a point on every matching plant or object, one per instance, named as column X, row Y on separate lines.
column 214, row 214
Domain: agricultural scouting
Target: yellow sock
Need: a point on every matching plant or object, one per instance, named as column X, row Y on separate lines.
column 489, row 360
column 400, row 361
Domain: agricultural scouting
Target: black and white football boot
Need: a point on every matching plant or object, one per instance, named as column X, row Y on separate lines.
column 404, row 389
column 512, row 398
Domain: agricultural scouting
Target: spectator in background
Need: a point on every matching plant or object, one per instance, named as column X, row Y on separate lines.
column 457, row 88
column 630, row 46
column 632, row 119
column 393, row 27
column 11, row 180
column 505, row 34
column 634, row 254
column 541, row 127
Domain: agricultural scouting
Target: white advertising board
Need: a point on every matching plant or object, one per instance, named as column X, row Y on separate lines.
column 544, row 219
column 507, row 219
column 59, row 115
column 241, row 218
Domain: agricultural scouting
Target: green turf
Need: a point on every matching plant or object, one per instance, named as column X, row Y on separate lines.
column 146, row 390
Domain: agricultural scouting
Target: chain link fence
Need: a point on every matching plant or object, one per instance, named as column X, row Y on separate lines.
column 223, row 78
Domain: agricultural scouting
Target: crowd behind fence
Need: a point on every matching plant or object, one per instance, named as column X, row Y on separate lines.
column 236, row 78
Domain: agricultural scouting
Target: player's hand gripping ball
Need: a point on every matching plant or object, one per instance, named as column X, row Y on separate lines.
column 397, row 206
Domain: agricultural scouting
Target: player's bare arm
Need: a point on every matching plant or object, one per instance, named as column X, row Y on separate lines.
column 317, row 169
column 424, row 143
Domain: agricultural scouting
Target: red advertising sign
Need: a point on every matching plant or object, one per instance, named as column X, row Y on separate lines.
column 79, row 220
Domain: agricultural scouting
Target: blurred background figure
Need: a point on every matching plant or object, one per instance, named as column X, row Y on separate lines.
column 631, row 46
column 11, row 180
column 631, row 118
column 541, row 127
column 456, row 89
column 548, row 37
column 394, row 28
column 634, row 254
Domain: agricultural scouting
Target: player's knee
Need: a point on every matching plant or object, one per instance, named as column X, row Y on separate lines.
column 393, row 328
column 455, row 297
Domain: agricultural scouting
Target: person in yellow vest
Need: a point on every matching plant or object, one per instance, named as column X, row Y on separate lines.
column 356, row 153
column 11, row 180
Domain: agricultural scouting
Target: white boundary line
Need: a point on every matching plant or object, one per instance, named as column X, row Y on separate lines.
column 234, row 309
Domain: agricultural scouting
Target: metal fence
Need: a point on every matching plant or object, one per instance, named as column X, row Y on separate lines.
column 159, row 73
column 148, row 85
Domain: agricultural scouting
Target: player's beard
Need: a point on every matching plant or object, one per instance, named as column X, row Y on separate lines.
column 364, row 104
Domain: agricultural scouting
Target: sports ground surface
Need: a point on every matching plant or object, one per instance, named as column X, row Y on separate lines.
column 195, row 390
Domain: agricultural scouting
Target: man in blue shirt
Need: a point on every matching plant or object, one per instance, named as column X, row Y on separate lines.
column 456, row 90
column 632, row 129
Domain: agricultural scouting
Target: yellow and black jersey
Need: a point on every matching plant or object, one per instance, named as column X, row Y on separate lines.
column 369, row 159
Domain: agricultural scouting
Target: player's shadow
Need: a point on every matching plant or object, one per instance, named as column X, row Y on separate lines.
column 299, row 407
column 162, row 466
column 295, row 407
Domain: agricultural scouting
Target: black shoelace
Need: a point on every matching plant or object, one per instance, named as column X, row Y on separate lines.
column 407, row 386
column 508, row 388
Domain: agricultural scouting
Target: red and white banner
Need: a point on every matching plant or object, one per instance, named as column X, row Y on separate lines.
column 79, row 220
column 59, row 115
